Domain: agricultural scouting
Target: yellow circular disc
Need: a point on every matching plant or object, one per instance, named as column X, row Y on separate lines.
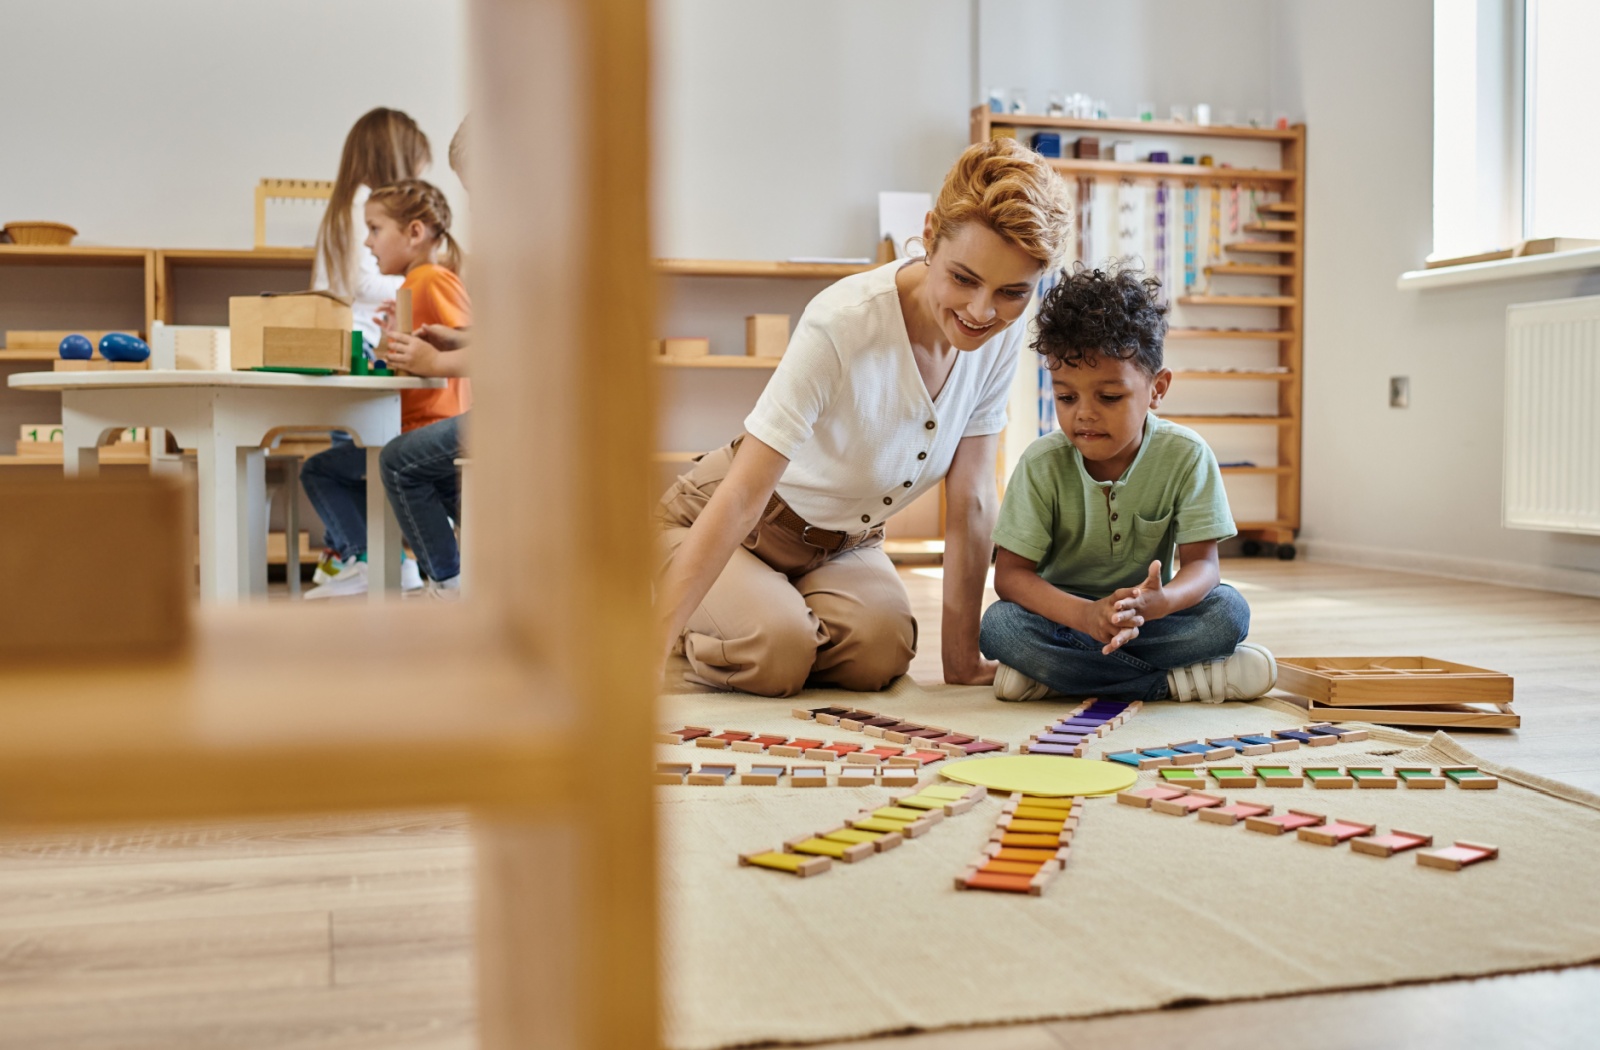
column 1043, row 775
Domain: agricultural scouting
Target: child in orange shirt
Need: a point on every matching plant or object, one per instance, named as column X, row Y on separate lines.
column 408, row 230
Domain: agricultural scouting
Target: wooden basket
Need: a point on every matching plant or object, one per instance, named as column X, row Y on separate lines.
column 40, row 232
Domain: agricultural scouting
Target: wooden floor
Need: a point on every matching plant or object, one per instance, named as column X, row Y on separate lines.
column 356, row 932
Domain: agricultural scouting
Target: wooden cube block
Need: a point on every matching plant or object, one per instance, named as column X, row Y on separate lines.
column 685, row 349
column 766, row 335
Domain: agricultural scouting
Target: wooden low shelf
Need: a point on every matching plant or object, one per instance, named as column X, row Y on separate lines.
column 1250, row 270
column 717, row 361
column 1175, row 172
column 1280, row 208
column 1137, row 127
column 1201, row 421
column 1273, row 226
column 1263, row 247
column 1229, row 333
column 1202, row 373
column 757, row 268
column 1274, row 301
column 71, row 255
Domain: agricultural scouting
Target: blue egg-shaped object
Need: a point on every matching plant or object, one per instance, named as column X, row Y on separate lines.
column 76, row 348
column 119, row 346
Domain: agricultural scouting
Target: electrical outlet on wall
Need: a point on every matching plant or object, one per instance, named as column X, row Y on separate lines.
column 1399, row 391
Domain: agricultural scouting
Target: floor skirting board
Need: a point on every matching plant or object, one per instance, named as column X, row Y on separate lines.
column 1581, row 582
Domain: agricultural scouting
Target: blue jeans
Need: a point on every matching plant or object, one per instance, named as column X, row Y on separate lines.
column 1070, row 661
column 419, row 473
column 336, row 484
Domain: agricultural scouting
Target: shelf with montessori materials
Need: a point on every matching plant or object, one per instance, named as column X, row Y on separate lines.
column 1237, row 287
column 704, row 400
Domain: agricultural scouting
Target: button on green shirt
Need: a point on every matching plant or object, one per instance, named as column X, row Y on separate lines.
column 1092, row 537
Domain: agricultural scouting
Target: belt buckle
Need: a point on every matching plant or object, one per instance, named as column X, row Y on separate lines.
column 805, row 537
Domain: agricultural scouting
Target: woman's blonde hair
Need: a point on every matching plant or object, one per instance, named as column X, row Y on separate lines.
column 413, row 200
column 385, row 146
column 1010, row 189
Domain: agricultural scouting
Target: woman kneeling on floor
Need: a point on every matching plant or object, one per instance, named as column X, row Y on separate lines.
column 895, row 379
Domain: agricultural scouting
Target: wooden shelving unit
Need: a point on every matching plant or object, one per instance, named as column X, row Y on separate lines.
column 1276, row 234
column 757, row 268
column 717, row 361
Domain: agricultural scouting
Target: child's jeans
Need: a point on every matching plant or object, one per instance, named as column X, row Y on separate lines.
column 336, row 484
column 1070, row 661
column 424, row 484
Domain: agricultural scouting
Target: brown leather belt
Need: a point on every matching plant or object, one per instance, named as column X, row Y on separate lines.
column 781, row 514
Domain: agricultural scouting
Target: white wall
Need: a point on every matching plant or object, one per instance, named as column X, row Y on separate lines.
column 150, row 123
column 777, row 123
column 1419, row 487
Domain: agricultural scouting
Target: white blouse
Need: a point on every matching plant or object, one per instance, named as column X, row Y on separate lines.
column 849, row 410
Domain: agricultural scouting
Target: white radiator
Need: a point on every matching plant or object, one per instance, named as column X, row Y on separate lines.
column 1552, row 438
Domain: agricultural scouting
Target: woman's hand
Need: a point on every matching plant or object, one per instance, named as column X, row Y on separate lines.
column 980, row 673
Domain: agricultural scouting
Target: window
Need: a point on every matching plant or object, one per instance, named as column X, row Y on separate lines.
column 1516, row 123
column 1562, row 118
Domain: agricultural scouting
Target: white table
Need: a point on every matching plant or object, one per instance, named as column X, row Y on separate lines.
column 228, row 419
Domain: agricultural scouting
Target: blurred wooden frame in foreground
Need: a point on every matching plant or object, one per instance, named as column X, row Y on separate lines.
column 474, row 705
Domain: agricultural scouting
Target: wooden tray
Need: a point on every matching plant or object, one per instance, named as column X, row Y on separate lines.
column 1439, row 716
column 1389, row 681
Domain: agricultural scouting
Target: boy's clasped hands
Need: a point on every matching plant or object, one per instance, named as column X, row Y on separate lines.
column 1115, row 619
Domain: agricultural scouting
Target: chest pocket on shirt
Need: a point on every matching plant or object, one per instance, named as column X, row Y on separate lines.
column 1150, row 542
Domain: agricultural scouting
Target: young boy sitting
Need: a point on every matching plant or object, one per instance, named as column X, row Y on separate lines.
column 1089, row 603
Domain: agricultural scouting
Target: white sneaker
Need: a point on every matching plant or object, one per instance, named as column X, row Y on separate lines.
column 1249, row 673
column 330, row 566
column 1012, row 684
column 352, row 580
column 410, row 574
column 445, row 590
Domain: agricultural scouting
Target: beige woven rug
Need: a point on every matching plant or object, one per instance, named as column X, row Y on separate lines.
column 1151, row 911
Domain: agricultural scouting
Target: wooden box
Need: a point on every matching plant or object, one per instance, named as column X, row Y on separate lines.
column 249, row 316
column 766, row 335
column 1384, row 681
column 1400, row 691
column 127, row 589
column 306, row 348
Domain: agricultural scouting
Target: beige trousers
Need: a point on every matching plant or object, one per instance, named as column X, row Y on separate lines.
column 784, row 614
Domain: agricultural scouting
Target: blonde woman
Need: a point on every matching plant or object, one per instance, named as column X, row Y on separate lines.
column 895, row 380
column 385, row 146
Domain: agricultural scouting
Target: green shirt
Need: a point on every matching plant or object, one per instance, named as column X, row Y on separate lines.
column 1092, row 537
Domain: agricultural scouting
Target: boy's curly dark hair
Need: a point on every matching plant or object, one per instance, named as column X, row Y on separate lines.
column 1092, row 312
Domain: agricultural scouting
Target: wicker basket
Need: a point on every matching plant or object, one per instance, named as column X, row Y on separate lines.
column 40, row 232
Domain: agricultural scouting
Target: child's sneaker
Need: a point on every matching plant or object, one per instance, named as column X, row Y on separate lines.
column 1249, row 673
column 1012, row 684
column 352, row 580
column 330, row 566
column 410, row 573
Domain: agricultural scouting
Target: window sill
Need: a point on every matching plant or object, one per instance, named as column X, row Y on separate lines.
column 1500, row 270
